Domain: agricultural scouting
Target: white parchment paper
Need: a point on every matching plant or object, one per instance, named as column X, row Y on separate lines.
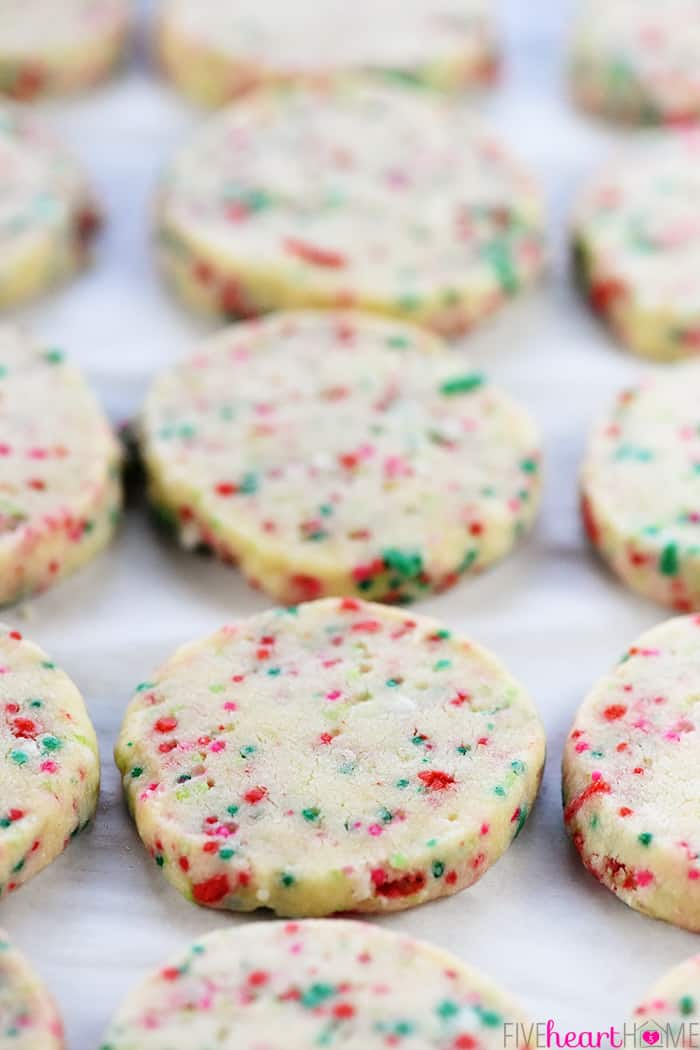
column 103, row 915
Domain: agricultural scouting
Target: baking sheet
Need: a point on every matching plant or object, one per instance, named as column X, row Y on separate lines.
column 102, row 915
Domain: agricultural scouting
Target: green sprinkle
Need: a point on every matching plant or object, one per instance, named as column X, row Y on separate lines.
column 442, row 665
column 462, row 384
column 668, row 562
column 405, row 563
column 645, row 838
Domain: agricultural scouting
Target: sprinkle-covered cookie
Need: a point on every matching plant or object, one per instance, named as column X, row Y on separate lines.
column 641, row 488
column 53, row 46
column 28, row 1017
column 360, row 195
column 638, row 60
column 631, row 776
column 214, row 51
column 288, row 986
column 340, row 454
column 49, row 766
column 60, row 488
column 637, row 244
column 333, row 756
column 47, row 214
column 674, row 1002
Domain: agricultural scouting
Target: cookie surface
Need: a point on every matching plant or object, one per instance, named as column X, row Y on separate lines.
column 339, row 454
column 49, row 770
column 214, row 51
column 61, row 485
column 641, row 488
column 334, row 756
column 53, row 46
column 47, row 214
column 638, row 60
column 28, row 1016
column 288, row 986
column 631, row 778
column 637, row 241
column 674, row 1001
column 365, row 195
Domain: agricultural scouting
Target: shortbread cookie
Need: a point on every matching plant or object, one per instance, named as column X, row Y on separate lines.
column 641, row 488
column 332, row 756
column 214, row 50
column 672, row 1003
column 53, row 46
column 339, row 454
column 60, row 488
column 47, row 213
column 365, row 195
column 49, row 766
column 28, row 1016
column 632, row 776
column 637, row 242
column 289, row 986
column 638, row 60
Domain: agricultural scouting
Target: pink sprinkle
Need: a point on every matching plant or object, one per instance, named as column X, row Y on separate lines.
column 49, row 766
column 375, row 829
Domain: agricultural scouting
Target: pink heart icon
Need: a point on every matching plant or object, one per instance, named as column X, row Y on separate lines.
column 651, row 1038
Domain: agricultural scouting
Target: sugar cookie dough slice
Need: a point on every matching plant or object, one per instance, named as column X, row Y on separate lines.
column 213, row 51
column 337, row 755
column 638, row 60
column 368, row 195
column 49, row 766
column 53, row 46
column 60, row 487
column 637, row 243
column 674, row 1002
column 288, row 986
column 339, row 454
column 28, row 1016
column 47, row 213
column 641, row 488
column 632, row 780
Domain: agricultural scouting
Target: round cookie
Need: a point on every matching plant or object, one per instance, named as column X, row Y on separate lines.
column 60, row 487
column 213, row 52
column 28, row 1016
column 49, row 765
column 641, row 488
column 53, row 46
column 637, row 246
column 284, row 986
column 674, row 1002
column 329, row 757
column 48, row 216
column 339, row 454
column 630, row 776
column 364, row 194
column 638, row 60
